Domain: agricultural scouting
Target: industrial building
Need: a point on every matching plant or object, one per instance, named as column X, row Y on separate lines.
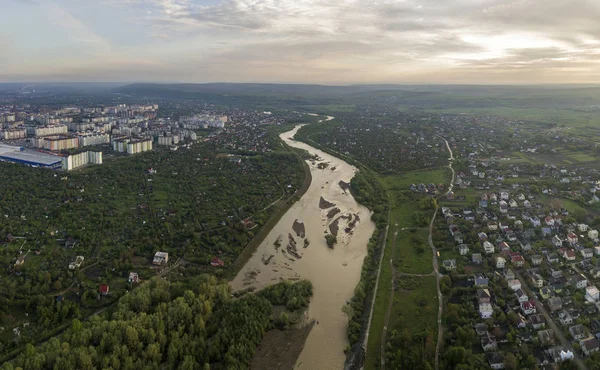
column 78, row 160
column 19, row 155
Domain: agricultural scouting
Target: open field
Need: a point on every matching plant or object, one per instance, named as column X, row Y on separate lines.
column 415, row 304
column 415, row 309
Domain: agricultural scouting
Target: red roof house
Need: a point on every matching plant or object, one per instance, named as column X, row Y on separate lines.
column 104, row 289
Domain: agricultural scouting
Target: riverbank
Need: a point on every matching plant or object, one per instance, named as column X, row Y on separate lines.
column 334, row 272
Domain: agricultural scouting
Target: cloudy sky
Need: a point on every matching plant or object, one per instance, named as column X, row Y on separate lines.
column 307, row 41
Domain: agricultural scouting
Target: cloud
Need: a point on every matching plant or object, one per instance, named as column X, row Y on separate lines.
column 335, row 40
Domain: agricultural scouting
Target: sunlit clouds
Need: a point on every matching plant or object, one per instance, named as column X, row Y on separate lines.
column 307, row 41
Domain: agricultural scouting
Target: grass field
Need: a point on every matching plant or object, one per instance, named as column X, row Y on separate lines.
column 414, row 309
column 415, row 305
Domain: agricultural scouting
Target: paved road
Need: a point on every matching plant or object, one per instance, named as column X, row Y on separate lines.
column 541, row 309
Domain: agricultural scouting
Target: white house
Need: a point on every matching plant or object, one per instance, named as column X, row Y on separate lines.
column 463, row 249
column 485, row 310
column 500, row 262
column 593, row 234
column 592, row 294
column 488, row 247
column 582, row 227
column 514, row 284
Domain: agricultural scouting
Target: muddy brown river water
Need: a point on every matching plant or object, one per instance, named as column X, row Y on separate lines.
column 333, row 272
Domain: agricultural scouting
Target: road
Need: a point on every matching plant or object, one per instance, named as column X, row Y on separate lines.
column 440, row 337
column 557, row 331
column 366, row 341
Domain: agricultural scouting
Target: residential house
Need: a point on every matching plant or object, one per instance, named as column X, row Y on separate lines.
column 449, row 265
column 578, row 332
column 503, row 247
column 579, row 281
column 554, row 304
column 537, row 321
column 517, row 260
column 484, row 296
column 488, row 247
column 565, row 317
column 582, row 227
column 592, row 294
column 504, row 195
column 485, row 310
column 546, row 231
column 496, row 360
column 476, row 258
column 134, row 278
column 488, row 342
column 593, row 234
column 536, row 279
column 514, row 284
column 527, row 204
column 549, row 221
column 503, row 207
column 528, row 307
column 589, row 345
column 595, row 273
column 546, row 337
column 572, row 238
column 557, row 241
column 569, row 254
column 463, row 249
column 536, row 259
column 536, row 222
column 509, row 274
column 513, row 203
column 160, row 258
column 521, row 296
column 481, row 329
column 500, row 262
column 492, row 226
column 597, row 251
column 545, row 293
column 587, row 252
column 481, row 280
column 104, row 288
column 552, row 258
column 216, row 262
column 77, row 263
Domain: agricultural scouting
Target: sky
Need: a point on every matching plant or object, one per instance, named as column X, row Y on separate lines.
column 334, row 42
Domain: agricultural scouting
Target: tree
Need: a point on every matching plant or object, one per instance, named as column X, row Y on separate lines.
column 510, row 362
column 331, row 240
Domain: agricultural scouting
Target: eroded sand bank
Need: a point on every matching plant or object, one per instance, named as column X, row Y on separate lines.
column 333, row 272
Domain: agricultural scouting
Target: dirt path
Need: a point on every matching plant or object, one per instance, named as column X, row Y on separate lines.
column 435, row 261
column 390, row 304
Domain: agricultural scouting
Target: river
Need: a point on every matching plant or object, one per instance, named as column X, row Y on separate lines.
column 333, row 272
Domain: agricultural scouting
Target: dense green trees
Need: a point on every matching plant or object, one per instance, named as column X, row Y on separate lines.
column 151, row 329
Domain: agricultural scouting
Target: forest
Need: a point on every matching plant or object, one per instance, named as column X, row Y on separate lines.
column 163, row 325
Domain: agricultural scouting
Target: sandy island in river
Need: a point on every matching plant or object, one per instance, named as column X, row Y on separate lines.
column 333, row 272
